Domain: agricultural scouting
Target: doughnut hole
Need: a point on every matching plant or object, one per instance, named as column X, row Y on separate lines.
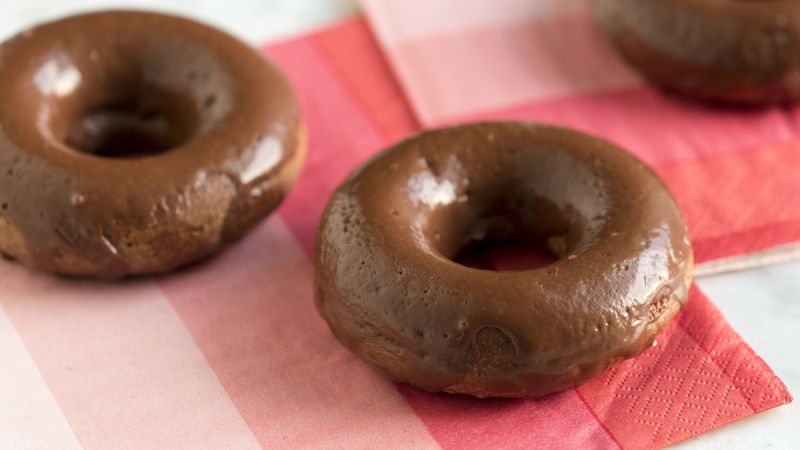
column 511, row 236
column 128, row 119
column 134, row 102
column 135, row 126
column 501, row 243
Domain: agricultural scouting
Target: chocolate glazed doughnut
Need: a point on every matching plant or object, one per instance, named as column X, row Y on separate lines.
column 730, row 51
column 134, row 142
column 386, row 283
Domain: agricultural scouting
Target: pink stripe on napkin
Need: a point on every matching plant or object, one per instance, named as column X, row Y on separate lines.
column 657, row 127
column 251, row 313
column 493, row 64
column 120, row 363
column 30, row 416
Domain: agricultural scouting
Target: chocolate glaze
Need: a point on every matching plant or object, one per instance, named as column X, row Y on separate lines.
column 731, row 51
column 135, row 142
column 386, row 283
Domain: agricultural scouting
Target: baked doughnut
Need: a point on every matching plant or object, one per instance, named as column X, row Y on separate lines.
column 386, row 283
column 135, row 142
column 729, row 51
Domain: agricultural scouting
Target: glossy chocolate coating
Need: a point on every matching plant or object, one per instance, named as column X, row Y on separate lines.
column 729, row 51
column 386, row 283
column 135, row 142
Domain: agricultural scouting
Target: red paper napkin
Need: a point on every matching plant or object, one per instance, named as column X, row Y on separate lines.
column 231, row 353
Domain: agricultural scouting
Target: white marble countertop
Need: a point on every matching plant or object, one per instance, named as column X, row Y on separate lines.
column 257, row 21
column 763, row 305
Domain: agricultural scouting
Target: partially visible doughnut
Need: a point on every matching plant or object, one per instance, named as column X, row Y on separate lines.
column 729, row 51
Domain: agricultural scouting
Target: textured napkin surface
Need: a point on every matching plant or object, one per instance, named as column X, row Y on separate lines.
column 231, row 353
column 734, row 171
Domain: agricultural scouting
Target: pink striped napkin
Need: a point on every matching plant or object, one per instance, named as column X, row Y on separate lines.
column 230, row 353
